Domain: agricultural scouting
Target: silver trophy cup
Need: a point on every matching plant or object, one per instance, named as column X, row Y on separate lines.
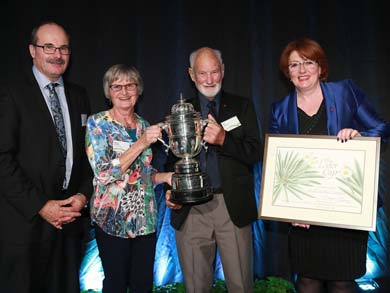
column 184, row 128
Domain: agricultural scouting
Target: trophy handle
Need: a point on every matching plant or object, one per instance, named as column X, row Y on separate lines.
column 165, row 145
column 204, row 122
column 204, row 145
column 163, row 127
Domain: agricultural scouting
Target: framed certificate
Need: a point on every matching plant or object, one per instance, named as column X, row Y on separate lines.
column 317, row 180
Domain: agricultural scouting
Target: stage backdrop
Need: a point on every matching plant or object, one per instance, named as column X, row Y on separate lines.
column 158, row 36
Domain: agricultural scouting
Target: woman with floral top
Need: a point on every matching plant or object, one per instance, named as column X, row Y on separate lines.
column 123, row 207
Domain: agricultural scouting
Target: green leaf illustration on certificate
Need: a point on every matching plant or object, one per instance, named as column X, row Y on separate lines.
column 311, row 178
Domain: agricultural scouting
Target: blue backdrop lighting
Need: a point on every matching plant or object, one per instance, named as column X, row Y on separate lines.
column 167, row 268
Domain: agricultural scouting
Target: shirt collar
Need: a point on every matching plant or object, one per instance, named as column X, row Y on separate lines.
column 204, row 100
column 42, row 80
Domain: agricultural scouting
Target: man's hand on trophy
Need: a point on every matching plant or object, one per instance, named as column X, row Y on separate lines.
column 214, row 133
column 170, row 204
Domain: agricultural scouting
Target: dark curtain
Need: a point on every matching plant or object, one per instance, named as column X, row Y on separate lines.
column 158, row 36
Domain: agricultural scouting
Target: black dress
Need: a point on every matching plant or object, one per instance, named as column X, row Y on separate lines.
column 322, row 252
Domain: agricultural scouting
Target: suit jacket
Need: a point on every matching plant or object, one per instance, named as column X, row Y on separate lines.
column 32, row 167
column 346, row 107
column 236, row 159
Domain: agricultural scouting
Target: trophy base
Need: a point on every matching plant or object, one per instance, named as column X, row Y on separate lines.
column 191, row 196
column 189, row 185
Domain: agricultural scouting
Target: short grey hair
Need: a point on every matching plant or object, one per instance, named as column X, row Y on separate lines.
column 195, row 53
column 119, row 71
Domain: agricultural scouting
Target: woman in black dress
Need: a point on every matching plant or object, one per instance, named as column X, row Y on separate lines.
column 323, row 257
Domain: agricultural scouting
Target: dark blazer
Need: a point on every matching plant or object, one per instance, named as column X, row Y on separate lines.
column 32, row 167
column 236, row 159
column 346, row 107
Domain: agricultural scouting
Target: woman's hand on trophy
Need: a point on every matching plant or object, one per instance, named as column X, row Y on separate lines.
column 170, row 204
column 168, row 178
column 162, row 177
column 151, row 135
column 214, row 133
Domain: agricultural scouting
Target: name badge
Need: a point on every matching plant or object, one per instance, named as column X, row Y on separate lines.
column 231, row 123
column 120, row 146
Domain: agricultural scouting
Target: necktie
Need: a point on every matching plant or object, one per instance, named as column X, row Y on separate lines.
column 212, row 106
column 211, row 156
column 57, row 116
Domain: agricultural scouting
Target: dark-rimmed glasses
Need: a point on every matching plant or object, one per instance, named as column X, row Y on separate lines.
column 127, row 87
column 51, row 49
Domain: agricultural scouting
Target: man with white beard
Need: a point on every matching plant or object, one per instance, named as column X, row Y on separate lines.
column 225, row 221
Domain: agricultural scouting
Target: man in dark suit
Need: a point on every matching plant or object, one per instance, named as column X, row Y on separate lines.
column 225, row 221
column 45, row 179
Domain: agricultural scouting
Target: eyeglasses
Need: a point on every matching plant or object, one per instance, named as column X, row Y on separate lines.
column 308, row 64
column 51, row 49
column 119, row 87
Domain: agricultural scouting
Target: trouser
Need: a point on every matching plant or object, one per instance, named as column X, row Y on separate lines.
column 45, row 266
column 127, row 262
column 209, row 226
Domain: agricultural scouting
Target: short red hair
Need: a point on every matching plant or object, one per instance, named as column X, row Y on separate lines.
column 308, row 49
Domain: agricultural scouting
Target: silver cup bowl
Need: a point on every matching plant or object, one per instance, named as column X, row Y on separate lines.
column 185, row 136
column 184, row 128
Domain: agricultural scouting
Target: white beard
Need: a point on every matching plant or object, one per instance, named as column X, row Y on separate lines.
column 209, row 92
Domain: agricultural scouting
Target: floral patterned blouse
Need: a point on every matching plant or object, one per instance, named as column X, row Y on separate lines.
column 123, row 204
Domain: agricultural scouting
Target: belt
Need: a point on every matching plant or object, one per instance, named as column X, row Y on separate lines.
column 217, row 190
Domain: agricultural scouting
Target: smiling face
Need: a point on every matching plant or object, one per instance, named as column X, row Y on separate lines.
column 303, row 74
column 125, row 98
column 207, row 73
column 51, row 65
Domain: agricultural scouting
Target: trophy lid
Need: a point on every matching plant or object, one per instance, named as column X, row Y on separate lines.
column 182, row 107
